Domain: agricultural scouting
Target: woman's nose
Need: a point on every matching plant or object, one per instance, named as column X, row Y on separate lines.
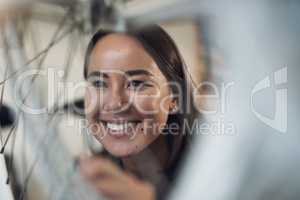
column 116, row 101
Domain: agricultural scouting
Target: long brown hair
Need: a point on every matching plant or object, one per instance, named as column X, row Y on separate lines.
column 163, row 50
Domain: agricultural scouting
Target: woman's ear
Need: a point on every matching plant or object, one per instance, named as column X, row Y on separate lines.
column 173, row 108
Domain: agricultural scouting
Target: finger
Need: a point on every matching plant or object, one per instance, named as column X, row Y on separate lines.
column 115, row 189
column 98, row 167
column 109, row 188
column 128, row 190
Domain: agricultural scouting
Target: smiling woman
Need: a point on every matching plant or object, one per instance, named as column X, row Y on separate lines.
column 137, row 102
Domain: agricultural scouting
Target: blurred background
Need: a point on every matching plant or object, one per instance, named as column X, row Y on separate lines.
column 243, row 58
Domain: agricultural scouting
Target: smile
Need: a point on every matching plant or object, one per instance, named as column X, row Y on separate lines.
column 120, row 128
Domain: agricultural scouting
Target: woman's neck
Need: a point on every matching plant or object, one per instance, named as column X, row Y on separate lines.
column 150, row 162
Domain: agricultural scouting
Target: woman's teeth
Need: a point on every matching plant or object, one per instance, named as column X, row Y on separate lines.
column 119, row 127
column 116, row 127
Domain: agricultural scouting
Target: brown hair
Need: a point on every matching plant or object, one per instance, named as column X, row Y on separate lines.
column 163, row 50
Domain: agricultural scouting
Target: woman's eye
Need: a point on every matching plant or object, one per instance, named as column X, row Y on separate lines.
column 135, row 84
column 99, row 84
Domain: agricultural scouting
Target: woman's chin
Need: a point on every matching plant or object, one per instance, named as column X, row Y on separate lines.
column 120, row 151
column 125, row 147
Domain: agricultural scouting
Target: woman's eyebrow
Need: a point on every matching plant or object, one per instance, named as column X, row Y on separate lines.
column 138, row 72
column 97, row 74
column 134, row 72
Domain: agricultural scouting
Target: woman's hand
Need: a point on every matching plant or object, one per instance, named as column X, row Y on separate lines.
column 113, row 183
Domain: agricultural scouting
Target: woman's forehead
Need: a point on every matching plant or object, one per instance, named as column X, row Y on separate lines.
column 118, row 41
column 120, row 52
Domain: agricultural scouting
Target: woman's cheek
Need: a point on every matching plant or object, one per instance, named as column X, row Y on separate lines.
column 154, row 112
column 91, row 101
column 146, row 100
column 146, row 105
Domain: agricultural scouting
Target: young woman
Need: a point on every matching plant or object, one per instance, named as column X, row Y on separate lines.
column 138, row 104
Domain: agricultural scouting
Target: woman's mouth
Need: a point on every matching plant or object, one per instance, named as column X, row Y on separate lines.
column 122, row 128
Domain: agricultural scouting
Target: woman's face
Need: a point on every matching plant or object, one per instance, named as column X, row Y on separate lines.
column 127, row 100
